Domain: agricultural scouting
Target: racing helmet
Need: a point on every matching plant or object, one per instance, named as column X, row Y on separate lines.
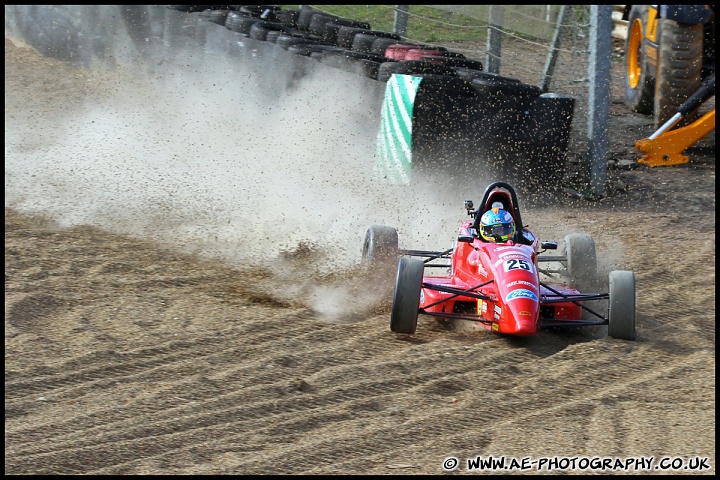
column 497, row 225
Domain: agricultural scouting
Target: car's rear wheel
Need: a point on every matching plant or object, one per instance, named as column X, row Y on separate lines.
column 581, row 260
column 621, row 318
column 406, row 299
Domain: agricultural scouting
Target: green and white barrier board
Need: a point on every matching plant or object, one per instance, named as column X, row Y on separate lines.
column 393, row 152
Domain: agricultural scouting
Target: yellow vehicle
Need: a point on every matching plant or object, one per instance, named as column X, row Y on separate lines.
column 669, row 51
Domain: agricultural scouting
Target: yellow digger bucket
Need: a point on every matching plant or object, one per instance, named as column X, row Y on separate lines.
column 667, row 148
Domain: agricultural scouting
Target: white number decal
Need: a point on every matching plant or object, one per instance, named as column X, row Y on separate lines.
column 518, row 264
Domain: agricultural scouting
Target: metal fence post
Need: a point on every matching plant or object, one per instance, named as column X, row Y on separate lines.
column 553, row 49
column 401, row 20
column 495, row 23
column 601, row 26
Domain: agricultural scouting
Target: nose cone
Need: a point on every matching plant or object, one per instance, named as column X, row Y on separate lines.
column 522, row 316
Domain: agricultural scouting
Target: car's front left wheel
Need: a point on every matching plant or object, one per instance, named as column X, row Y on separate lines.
column 406, row 299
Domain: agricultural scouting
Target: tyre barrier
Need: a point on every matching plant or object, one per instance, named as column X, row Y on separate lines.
column 285, row 40
column 289, row 17
column 318, row 22
column 332, row 27
column 452, row 60
column 380, row 44
column 304, row 17
column 463, row 119
column 259, row 30
column 241, row 23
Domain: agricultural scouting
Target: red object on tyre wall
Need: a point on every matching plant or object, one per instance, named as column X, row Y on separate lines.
column 398, row 51
column 418, row 53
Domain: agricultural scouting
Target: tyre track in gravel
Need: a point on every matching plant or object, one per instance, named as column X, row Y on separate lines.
column 433, row 366
column 340, row 373
column 360, row 387
column 341, row 447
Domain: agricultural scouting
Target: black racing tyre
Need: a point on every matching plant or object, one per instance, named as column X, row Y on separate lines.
column 581, row 258
column 317, row 23
column 331, row 31
column 367, row 68
column 305, row 16
column 380, row 246
column 241, row 23
column 332, row 27
column 621, row 315
column 232, row 18
column 284, row 40
column 337, row 61
column 346, row 35
column 679, row 71
column 363, row 42
column 639, row 80
column 259, row 30
column 273, row 35
column 457, row 55
column 412, row 67
column 456, row 62
column 340, row 62
column 289, row 17
column 406, row 297
column 307, row 49
column 380, row 44
column 356, row 55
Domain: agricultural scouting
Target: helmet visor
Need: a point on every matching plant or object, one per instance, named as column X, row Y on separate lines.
column 501, row 230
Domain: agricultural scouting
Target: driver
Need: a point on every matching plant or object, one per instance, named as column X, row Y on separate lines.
column 497, row 225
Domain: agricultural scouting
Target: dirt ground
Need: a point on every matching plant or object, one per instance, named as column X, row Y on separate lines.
column 125, row 355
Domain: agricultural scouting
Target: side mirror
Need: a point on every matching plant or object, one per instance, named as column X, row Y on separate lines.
column 468, row 236
column 549, row 245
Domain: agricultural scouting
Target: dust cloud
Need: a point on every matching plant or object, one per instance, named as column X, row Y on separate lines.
column 227, row 149
column 243, row 155
column 206, row 156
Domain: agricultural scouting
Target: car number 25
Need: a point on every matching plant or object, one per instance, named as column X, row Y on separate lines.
column 515, row 264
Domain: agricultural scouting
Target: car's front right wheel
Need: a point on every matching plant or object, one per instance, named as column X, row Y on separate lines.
column 621, row 318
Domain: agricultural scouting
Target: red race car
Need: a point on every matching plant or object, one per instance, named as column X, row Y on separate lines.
column 494, row 279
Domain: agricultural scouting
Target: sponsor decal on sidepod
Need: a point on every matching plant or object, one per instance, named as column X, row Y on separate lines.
column 521, row 293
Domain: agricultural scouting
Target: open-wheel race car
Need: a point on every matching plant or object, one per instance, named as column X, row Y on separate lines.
column 496, row 282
